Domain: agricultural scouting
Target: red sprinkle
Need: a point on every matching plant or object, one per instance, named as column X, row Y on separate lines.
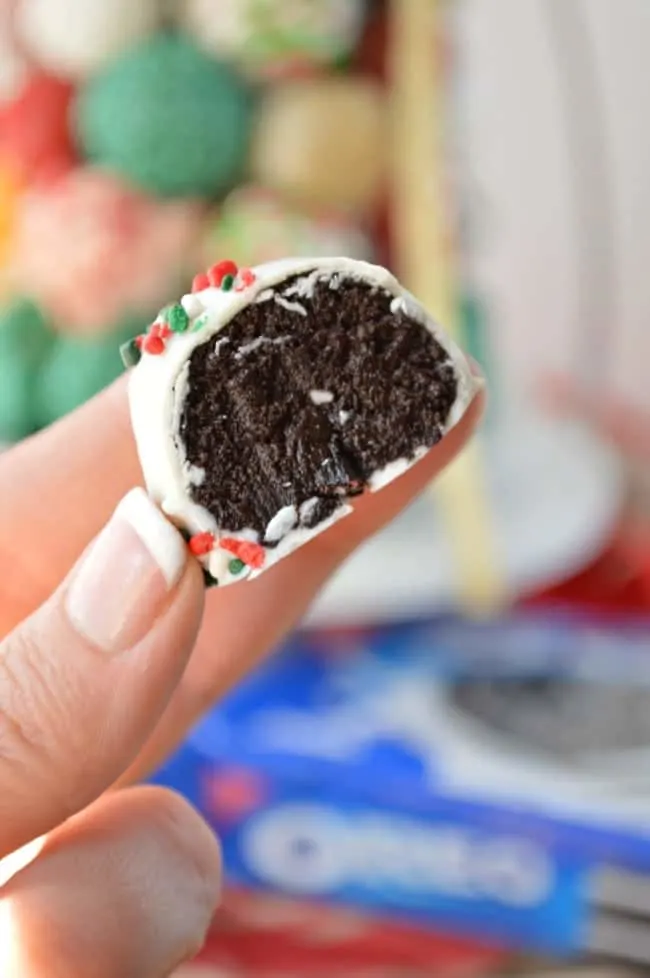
column 200, row 282
column 201, row 544
column 218, row 272
column 246, row 278
column 161, row 330
column 252, row 554
column 153, row 344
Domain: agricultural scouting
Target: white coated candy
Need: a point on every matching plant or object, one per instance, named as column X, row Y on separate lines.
column 159, row 384
column 73, row 38
column 262, row 33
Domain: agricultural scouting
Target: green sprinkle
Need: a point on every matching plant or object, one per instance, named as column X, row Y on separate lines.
column 177, row 318
column 200, row 323
column 228, row 282
column 130, row 353
column 236, row 566
column 210, row 581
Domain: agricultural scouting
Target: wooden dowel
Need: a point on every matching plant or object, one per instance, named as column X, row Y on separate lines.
column 423, row 226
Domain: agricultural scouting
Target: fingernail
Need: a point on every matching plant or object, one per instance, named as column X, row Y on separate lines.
column 123, row 580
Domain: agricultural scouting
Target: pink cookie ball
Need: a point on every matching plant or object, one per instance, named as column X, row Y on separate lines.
column 91, row 249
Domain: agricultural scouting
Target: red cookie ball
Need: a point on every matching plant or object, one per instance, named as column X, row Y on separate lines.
column 34, row 134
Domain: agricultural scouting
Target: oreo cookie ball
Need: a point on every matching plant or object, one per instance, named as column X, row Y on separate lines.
column 324, row 142
column 35, row 140
column 255, row 225
column 73, row 39
column 267, row 397
column 167, row 117
column 76, row 369
column 25, row 342
column 276, row 37
column 120, row 251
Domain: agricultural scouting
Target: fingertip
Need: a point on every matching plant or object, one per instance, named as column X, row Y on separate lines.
column 129, row 886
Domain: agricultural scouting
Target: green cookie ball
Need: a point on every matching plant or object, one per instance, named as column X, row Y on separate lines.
column 25, row 341
column 167, row 117
column 76, row 370
column 16, row 420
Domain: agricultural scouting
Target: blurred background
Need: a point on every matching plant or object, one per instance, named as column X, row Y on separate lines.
column 454, row 763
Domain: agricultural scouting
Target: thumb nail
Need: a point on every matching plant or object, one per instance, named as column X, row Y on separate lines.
column 123, row 580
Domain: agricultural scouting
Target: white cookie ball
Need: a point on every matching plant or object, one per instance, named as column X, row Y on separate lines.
column 323, row 142
column 270, row 36
column 73, row 38
column 253, row 225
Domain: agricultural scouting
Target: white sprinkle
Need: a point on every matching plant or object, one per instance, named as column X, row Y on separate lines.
column 343, row 416
column 321, row 397
column 291, row 306
column 265, row 295
column 192, row 305
column 220, row 343
column 393, row 470
column 308, row 508
column 304, row 287
column 259, row 341
column 398, row 304
column 195, row 475
column 283, row 521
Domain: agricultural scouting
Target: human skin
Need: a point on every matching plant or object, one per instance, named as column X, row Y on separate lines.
column 106, row 659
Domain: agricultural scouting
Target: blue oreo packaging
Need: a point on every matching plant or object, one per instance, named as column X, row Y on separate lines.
column 493, row 779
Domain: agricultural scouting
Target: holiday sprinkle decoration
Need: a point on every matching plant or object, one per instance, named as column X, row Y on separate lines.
column 245, row 553
column 225, row 275
column 201, row 544
column 174, row 320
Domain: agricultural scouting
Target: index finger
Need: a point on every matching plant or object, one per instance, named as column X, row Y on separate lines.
column 90, row 461
column 242, row 623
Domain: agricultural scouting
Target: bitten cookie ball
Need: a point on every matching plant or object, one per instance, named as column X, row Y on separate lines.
column 268, row 397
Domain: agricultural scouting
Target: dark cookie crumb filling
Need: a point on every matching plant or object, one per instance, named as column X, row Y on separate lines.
column 304, row 397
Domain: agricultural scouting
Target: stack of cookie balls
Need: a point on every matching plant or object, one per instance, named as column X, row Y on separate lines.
column 139, row 141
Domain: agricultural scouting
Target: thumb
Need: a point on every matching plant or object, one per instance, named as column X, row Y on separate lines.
column 84, row 680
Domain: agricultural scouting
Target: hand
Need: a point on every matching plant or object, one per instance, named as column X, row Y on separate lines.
column 101, row 675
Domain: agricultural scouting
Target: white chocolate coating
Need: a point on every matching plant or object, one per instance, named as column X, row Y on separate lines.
column 158, row 386
column 75, row 39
